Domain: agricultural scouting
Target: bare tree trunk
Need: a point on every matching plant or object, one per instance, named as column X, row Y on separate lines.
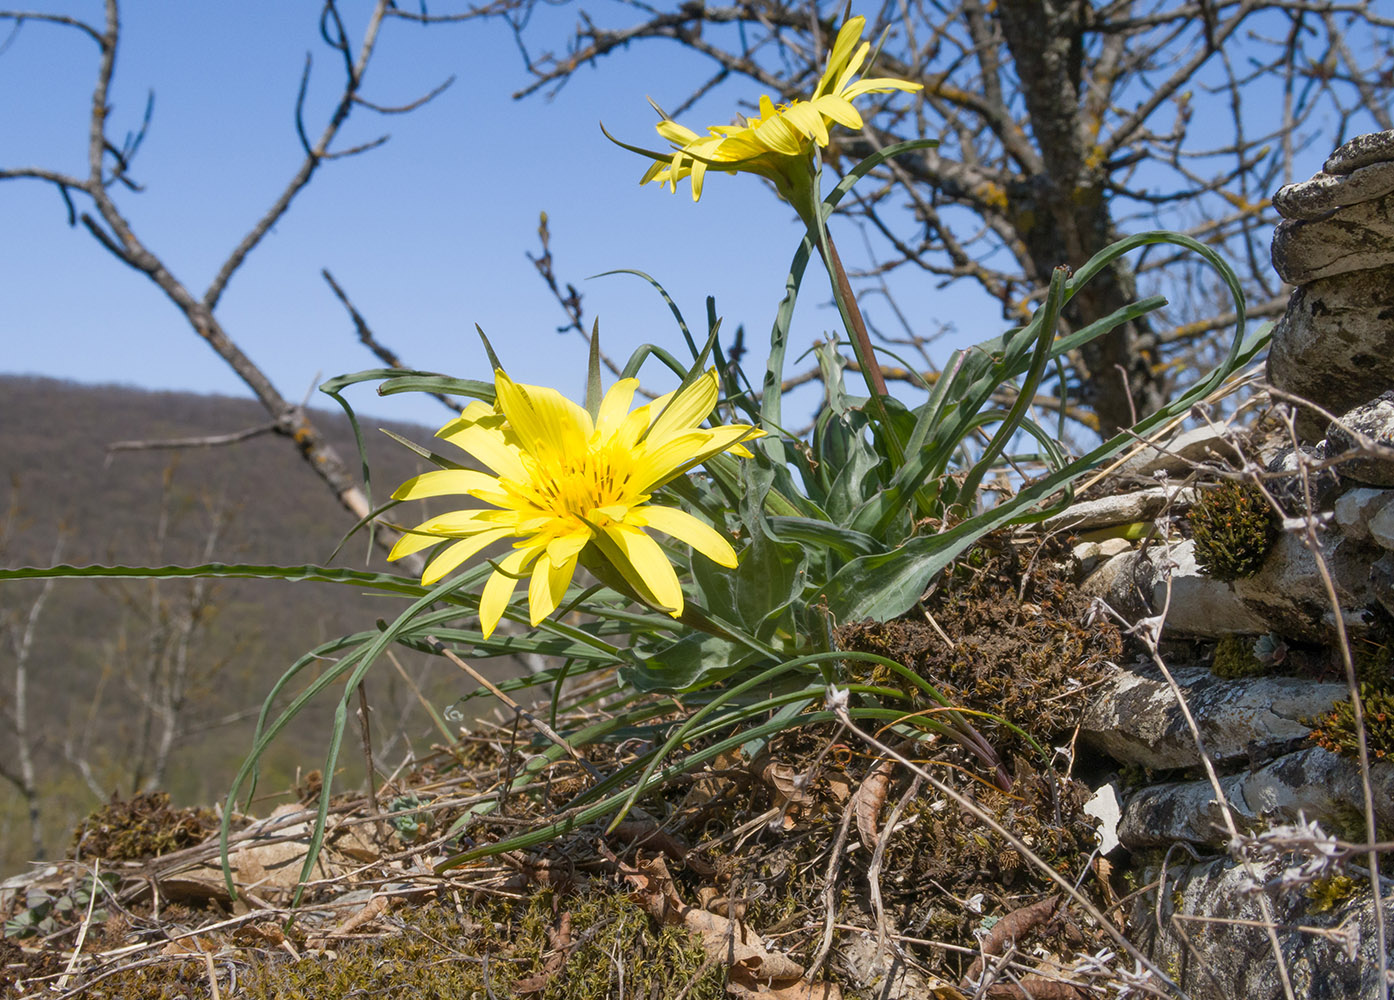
column 23, row 775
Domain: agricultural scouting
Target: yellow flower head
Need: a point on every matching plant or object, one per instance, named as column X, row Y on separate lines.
column 560, row 481
column 778, row 142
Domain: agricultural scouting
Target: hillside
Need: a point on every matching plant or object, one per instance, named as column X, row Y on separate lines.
column 102, row 647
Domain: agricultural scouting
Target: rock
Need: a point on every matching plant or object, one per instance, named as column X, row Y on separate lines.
column 1373, row 420
column 1381, row 526
column 1373, row 147
column 1312, row 782
column 1357, row 510
column 1104, row 806
column 1134, row 585
column 1208, row 932
column 1325, row 193
column 1291, row 491
column 1335, row 344
column 1088, row 555
column 1286, row 597
column 1289, row 594
column 1177, row 455
column 1352, row 238
column 1119, row 508
column 1136, row 719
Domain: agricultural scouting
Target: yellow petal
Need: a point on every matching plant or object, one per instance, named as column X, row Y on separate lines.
column 565, row 547
column 499, row 591
column 547, row 586
column 543, row 418
column 444, row 482
column 489, row 446
column 847, row 39
column 684, row 410
column 839, row 110
column 639, row 556
column 805, row 117
column 686, row 528
column 462, row 550
column 614, row 407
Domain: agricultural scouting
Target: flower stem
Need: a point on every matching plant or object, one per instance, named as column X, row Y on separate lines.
column 861, row 341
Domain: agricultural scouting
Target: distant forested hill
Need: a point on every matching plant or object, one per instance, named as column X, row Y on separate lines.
column 100, row 683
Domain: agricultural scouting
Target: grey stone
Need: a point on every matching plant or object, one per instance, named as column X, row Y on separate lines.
column 1116, row 509
column 1312, row 782
column 1207, row 931
column 1381, row 526
column 1135, row 585
column 1322, row 195
column 1374, row 421
column 1335, row 344
column 1286, row 597
column 1088, row 555
column 1357, row 510
column 1373, row 147
column 1291, row 491
column 1178, row 454
column 1353, row 238
column 1136, row 719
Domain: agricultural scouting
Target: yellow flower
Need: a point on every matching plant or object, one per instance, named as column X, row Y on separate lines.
column 778, row 142
column 561, row 481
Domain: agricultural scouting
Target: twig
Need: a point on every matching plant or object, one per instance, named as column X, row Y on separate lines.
column 365, row 729
column 519, row 710
column 205, row 441
column 830, row 890
column 837, row 701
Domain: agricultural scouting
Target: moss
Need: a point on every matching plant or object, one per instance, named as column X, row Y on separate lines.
column 1009, row 641
column 1234, row 657
column 1336, row 730
column 1234, row 528
column 1329, row 893
column 505, row 951
column 144, row 826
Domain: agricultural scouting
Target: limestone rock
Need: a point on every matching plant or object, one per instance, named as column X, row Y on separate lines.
column 1375, row 421
column 1373, row 147
column 1211, row 937
column 1286, row 597
column 1335, row 344
column 1116, row 509
column 1352, row 238
column 1325, row 193
column 1312, row 782
column 1357, row 512
column 1291, row 491
column 1178, row 454
column 1134, row 585
column 1135, row 718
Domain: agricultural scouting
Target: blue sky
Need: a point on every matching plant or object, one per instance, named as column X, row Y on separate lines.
column 427, row 234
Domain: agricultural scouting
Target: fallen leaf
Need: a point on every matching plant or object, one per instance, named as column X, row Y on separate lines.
column 870, row 797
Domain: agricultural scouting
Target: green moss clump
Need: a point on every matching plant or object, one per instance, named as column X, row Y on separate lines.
column 1234, row 657
column 1234, row 528
column 1336, row 730
column 486, row 950
column 143, row 826
column 1328, row 893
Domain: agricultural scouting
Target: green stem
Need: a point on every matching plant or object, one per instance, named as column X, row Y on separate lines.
column 861, row 340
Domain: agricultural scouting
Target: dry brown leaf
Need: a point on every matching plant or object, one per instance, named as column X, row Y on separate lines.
column 788, row 782
column 839, row 785
column 800, row 990
column 741, row 948
column 870, row 797
column 713, row 899
column 1013, row 928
